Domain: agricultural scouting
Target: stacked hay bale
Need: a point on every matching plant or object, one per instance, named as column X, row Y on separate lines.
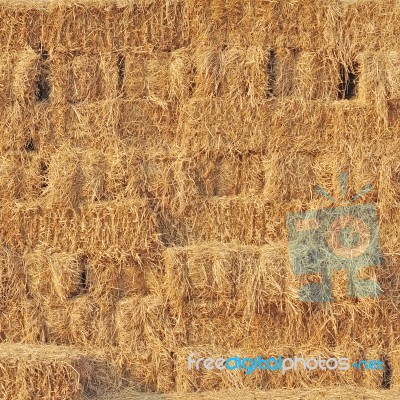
column 150, row 152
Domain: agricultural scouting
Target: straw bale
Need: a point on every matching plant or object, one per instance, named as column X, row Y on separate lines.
column 83, row 78
column 208, row 71
column 148, row 369
column 308, row 23
column 18, row 176
column 56, row 372
column 159, row 76
column 206, row 326
column 146, row 125
column 144, row 321
column 316, row 76
column 75, row 177
column 379, row 79
column 117, row 273
column 370, row 25
column 313, row 393
column 179, row 177
column 52, row 275
column 22, row 24
column 6, row 76
column 247, row 220
column 83, row 321
column 129, row 225
column 25, row 128
column 92, row 124
column 121, row 24
column 13, row 277
column 134, row 85
column 124, row 175
column 232, row 278
column 65, row 179
column 162, row 25
column 219, row 124
column 244, row 75
column 24, row 77
column 21, row 320
column 74, row 27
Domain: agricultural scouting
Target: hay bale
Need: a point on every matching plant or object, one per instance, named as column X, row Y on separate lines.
column 90, row 125
column 219, row 124
column 89, row 227
column 328, row 393
column 176, row 178
column 75, row 177
column 55, row 372
column 144, row 23
column 244, row 75
column 146, row 125
column 317, row 76
column 124, row 175
column 23, row 24
column 131, row 227
column 162, row 77
column 24, row 77
column 21, row 320
column 117, row 273
column 82, row 321
column 235, row 219
column 392, row 376
column 52, row 276
column 235, row 279
column 362, row 20
column 13, row 277
column 143, row 320
column 147, row 370
column 6, row 72
column 83, row 78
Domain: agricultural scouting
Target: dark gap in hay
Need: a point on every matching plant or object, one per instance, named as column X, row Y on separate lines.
column 387, row 374
column 121, row 73
column 30, row 145
column 271, row 69
column 192, row 82
column 42, row 82
column 219, row 88
column 44, row 168
column 84, row 281
column 83, row 287
column 348, row 81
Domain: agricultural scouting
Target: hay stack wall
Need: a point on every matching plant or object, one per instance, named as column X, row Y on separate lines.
column 149, row 153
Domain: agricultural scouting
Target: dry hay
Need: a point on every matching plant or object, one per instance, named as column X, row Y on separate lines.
column 25, row 227
column 55, row 372
column 148, row 369
column 128, row 126
column 233, row 278
column 52, row 275
column 83, row 78
column 328, row 393
column 81, row 321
